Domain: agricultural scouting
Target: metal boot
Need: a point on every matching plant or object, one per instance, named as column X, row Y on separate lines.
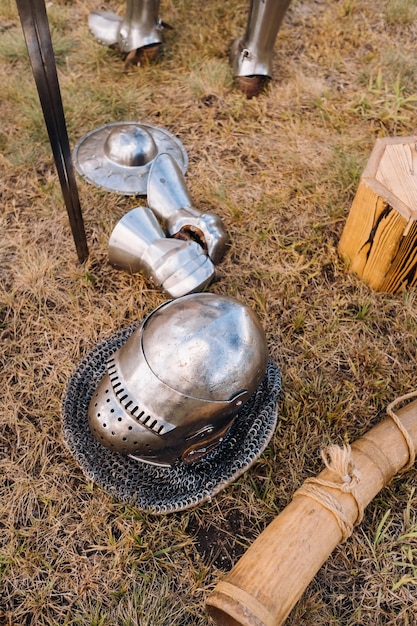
column 138, row 244
column 168, row 197
column 138, row 34
column 251, row 56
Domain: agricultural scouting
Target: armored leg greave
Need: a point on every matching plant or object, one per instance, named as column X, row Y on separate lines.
column 251, row 56
column 140, row 29
column 139, row 36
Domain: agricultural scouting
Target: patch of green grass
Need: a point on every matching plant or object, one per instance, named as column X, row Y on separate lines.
column 400, row 12
column 210, row 79
column 390, row 105
column 13, row 47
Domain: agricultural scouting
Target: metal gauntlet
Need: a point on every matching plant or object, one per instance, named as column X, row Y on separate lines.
column 168, row 197
column 138, row 244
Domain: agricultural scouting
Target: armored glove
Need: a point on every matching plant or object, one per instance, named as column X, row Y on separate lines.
column 169, row 199
column 138, row 244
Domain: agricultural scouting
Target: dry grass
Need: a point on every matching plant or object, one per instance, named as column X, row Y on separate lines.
column 281, row 171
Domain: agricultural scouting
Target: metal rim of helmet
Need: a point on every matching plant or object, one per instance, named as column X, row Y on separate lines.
column 160, row 490
column 176, row 386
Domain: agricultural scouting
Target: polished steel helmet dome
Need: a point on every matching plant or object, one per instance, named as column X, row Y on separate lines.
column 175, row 387
column 130, row 146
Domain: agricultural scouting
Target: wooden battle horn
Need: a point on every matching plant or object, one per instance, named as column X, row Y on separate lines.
column 268, row 580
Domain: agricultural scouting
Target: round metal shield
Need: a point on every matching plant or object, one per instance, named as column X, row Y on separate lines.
column 118, row 156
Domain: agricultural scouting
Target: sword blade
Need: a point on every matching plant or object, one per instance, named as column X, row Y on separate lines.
column 35, row 25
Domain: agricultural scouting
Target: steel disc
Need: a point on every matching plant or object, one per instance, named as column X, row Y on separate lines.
column 118, row 156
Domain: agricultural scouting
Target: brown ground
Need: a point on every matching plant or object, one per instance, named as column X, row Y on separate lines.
column 281, row 171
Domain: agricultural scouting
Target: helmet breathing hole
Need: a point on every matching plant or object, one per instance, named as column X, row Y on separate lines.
column 130, row 427
column 104, row 425
column 119, row 419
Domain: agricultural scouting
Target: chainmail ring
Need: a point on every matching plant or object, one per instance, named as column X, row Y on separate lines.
column 153, row 488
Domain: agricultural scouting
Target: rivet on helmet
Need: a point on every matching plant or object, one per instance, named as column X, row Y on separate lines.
column 173, row 390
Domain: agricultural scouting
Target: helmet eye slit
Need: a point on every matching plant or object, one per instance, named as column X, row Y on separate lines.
column 174, row 387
